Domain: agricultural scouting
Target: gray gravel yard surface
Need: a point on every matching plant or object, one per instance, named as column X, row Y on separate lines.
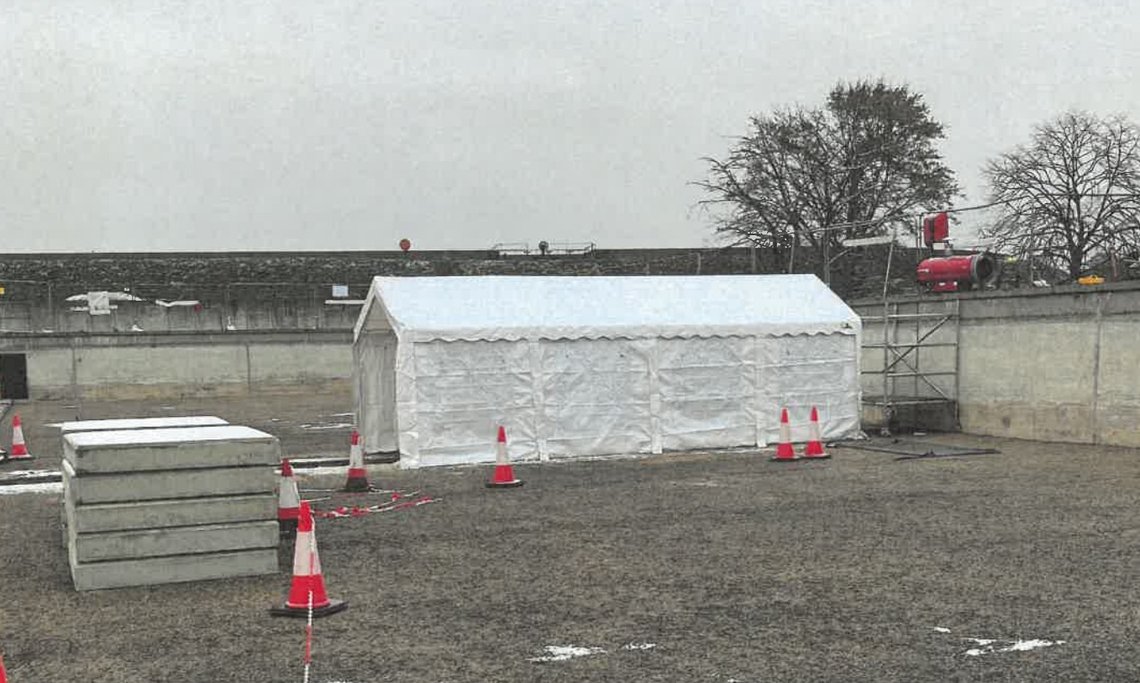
column 702, row 568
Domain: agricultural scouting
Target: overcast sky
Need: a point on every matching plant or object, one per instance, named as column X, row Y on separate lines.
column 348, row 124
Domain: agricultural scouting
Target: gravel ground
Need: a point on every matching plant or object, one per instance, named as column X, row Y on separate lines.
column 703, row 568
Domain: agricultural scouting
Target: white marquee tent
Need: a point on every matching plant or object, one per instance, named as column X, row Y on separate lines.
column 577, row 366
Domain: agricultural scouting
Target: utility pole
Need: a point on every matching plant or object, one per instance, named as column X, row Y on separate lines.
column 826, row 258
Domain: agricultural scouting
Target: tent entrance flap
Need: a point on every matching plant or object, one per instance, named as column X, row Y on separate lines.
column 375, row 359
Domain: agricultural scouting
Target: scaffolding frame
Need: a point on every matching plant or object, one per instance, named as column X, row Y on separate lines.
column 902, row 360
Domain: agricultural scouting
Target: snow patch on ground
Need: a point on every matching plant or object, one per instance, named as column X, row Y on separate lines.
column 327, row 425
column 1023, row 645
column 560, row 653
column 988, row 647
column 48, row 487
column 318, row 471
column 29, row 474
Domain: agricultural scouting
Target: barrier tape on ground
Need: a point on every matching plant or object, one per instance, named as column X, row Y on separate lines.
column 394, row 495
column 355, row 511
column 371, row 490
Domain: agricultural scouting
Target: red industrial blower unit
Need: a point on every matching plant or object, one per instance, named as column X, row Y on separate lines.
column 951, row 273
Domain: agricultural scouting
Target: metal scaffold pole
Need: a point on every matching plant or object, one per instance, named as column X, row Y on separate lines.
column 903, row 357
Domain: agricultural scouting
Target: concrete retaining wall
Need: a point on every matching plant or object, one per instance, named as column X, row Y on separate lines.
column 1055, row 364
column 177, row 365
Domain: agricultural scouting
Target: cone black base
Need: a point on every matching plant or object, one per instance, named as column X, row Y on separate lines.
column 287, row 528
column 825, row 456
column 504, row 484
column 333, row 607
column 775, row 459
column 357, row 486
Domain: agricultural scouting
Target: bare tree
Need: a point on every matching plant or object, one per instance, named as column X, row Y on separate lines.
column 865, row 162
column 1069, row 197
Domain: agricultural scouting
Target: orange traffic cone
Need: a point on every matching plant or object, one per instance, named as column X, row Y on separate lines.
column 357, row 477
column 19, row 448
column 308, row 589
column 784, row 451
column 814, row 448
column 3, row 676
column 504, row 476
column 288, row 501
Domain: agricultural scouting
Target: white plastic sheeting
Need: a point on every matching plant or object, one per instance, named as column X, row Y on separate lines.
column 599, row 365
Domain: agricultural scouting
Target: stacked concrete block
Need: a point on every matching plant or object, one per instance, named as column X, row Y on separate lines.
column 77, row 426
column 151, row 506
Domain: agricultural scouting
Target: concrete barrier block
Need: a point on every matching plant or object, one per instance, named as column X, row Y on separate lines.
column 140, row 543
column 137, row 450
column 158, row 514
column 174, row 569
column 140, row 486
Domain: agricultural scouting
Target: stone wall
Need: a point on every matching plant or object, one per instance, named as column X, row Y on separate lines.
column 293, row 291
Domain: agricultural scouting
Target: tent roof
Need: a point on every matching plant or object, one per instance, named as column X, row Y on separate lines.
column 532, row 307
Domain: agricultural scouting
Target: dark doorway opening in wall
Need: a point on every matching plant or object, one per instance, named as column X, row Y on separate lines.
column 13, row 376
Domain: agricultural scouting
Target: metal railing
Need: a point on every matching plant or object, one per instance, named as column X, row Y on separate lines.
column 544, row 248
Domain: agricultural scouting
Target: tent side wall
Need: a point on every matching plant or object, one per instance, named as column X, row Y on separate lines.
column 565, row 398
column 707, row 392
column 453, row 395
column 801, row 371
column 596, row 396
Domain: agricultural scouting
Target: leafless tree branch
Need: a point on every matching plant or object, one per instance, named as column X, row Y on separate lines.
column 1071, row 196
column 863, row 161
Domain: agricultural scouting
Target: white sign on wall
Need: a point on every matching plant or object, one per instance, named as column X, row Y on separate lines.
column 99, row 303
